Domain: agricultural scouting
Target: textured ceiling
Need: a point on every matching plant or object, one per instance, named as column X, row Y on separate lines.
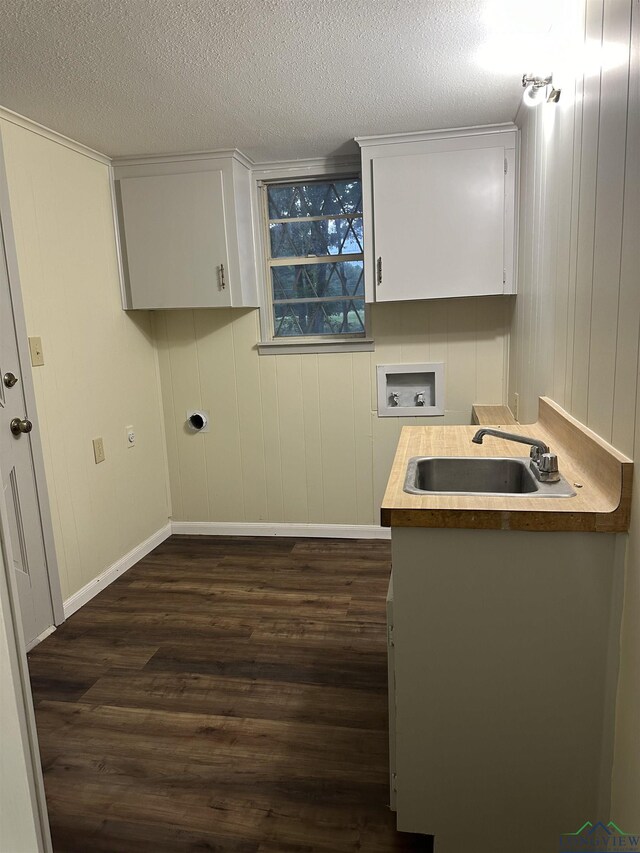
column 277, row 79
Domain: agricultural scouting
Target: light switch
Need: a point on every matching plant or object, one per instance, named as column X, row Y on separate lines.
column 98, row 450
column 35, row 348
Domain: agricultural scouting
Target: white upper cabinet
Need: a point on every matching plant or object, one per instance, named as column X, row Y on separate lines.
column 439, row 214
column 186, row 233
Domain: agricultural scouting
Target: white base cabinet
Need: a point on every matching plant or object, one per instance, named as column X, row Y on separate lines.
column 439, row 214
column 391, row 678
column 505, row 659
column 186, row 232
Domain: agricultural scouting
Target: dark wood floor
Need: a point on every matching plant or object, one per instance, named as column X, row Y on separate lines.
column 226, row 694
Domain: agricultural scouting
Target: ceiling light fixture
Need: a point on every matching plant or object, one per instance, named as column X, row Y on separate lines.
column 535, row 90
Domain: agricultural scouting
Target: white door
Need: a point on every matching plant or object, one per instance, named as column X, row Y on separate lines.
column 18, row 477
column 175, row 240
column 439, row 224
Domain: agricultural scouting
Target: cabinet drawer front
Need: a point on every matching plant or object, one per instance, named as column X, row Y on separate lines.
column 439, row 222
column 175, row 240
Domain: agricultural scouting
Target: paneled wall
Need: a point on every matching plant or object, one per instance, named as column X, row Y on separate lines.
column 296, row 438
column 576, row 329
column 100, row 372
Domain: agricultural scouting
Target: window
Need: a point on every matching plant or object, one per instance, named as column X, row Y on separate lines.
column 315, row 258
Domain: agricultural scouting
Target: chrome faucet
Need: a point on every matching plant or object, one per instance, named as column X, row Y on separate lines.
column 544, row 464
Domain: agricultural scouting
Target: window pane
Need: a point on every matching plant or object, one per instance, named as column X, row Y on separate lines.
column 306, row 281
column 345, row 198
column 319, row 318
column 308, row 221
column 317, row 237
column 317, row 198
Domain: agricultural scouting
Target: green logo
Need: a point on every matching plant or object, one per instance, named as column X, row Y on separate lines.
column 599, row 838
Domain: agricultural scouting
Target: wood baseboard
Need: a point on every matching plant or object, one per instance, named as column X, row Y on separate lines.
column 318, row 531
column 82, row 596
column 40, row 638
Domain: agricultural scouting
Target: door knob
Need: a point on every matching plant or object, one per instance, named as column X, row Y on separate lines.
column 10, row 379
column 18, row 425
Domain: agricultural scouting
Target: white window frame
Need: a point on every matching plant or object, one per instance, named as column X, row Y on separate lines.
column 296, row 172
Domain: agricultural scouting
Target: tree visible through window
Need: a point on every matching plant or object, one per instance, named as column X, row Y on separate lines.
column 315, row 257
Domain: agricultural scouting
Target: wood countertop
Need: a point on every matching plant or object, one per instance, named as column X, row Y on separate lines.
column 492, row 416
column 602, row 504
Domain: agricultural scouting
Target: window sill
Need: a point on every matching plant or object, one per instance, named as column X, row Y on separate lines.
column 299, row 347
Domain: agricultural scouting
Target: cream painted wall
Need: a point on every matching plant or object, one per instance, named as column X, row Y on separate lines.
column 100, row 372
column 576, row 328
column 296, row 438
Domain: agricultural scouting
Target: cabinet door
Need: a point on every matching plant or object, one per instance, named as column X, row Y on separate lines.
column 439, row 224
column 175, row 241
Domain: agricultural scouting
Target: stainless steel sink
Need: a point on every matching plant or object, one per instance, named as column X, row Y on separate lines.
column 475, row 475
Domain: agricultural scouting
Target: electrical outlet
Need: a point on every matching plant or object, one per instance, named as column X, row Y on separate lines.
column 35, row 348
column 516, row 406
column 98, row 450
column 130, row 436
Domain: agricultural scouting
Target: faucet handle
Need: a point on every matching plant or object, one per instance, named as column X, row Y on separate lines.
column 545, row 466
column 548, row 463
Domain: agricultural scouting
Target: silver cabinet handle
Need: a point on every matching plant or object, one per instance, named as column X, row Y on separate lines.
column 380, row 270
column 223, row 284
